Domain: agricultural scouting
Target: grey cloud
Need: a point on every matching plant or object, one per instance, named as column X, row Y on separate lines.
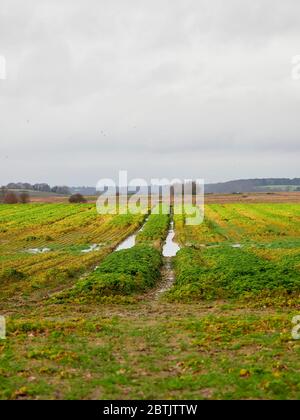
column 158, row 88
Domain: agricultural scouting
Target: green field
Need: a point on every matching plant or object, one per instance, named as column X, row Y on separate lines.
column 241, row 251
column 87, row 325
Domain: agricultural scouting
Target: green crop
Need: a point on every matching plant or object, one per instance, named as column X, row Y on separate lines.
column 226, row 272
column 121, row 273
column 155, row 230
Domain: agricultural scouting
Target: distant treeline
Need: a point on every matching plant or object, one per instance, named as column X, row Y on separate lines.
column 39, row 187
column 254, row 185
column 229, row 187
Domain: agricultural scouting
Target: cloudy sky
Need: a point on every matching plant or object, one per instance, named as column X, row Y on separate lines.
column 173, row 88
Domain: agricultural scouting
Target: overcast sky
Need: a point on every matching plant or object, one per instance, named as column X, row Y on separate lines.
column 174, row 88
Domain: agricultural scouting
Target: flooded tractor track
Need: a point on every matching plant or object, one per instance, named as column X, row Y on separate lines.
column 169, row 251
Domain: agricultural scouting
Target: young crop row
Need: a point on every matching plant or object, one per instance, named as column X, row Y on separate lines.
column 241, row 223
column 240, row 251
column 121, row 273
column 126, row 272
column 155, row 230
column 226, row 272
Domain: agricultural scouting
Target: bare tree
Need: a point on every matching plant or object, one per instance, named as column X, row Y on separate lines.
column 24, row 198
column 3, row 191
column 10, row 198
column 77, row 198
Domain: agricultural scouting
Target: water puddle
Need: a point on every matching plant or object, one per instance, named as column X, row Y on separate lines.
column 170, row 250
column 170, row 247
column 143, row 226
column 204, row 246
column 92, row 248
column 130, row 241
column 38, row 250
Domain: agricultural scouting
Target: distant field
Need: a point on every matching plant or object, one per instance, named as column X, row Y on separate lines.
column 88, row 325
column 258, row 197
column 245, row 223
column 280, row 187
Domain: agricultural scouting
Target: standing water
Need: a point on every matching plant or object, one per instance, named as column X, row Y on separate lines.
column 170, row 248
column 129, row 242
